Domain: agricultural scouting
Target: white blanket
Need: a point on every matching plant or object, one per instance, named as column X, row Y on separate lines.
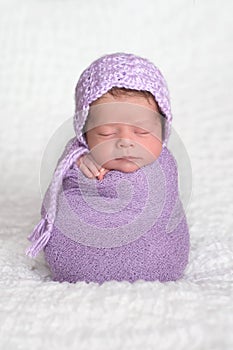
column 43, row 43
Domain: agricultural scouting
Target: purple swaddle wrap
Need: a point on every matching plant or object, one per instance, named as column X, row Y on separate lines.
column 128, row 226
column 151, row 206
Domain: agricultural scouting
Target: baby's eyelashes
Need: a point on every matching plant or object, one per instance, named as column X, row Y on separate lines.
column 106, row 134
column 137, row 131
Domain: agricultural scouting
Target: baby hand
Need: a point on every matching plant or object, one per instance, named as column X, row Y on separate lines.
column 90, row 168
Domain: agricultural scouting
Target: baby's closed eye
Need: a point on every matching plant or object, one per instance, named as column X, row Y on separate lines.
column 115, row 132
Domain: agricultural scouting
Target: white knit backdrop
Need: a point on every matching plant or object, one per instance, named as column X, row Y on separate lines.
column 44, row 47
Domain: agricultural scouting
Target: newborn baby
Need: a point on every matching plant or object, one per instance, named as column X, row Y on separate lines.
column 112, row 211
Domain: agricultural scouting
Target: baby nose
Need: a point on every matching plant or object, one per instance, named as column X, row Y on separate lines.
column 125, row 142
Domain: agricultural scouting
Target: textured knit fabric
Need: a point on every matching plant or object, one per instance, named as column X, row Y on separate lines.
column 71, row 259
column 120, row 70
column 159, row 253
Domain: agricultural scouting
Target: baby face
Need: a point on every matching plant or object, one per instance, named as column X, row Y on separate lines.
column 124, row 133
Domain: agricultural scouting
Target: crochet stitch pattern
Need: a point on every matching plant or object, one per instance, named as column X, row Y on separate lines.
column 149, row 250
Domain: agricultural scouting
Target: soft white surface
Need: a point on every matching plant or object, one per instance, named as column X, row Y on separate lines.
column 45, row 45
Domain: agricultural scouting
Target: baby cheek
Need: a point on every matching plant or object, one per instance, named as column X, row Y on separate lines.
column 102, row 151
column 93, row 141
column 147, row 142
column 153, row 145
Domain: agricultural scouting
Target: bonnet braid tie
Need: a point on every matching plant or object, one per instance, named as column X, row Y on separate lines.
column 42, row 232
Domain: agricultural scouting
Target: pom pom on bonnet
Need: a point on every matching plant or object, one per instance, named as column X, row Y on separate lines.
column 112, row 70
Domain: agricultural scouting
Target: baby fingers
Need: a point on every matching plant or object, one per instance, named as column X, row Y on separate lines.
column 88, row 166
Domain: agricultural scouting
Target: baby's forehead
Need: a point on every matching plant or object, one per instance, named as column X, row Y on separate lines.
column 121, row 113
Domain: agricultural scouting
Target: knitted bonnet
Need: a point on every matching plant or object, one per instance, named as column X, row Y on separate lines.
column 112, row 70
